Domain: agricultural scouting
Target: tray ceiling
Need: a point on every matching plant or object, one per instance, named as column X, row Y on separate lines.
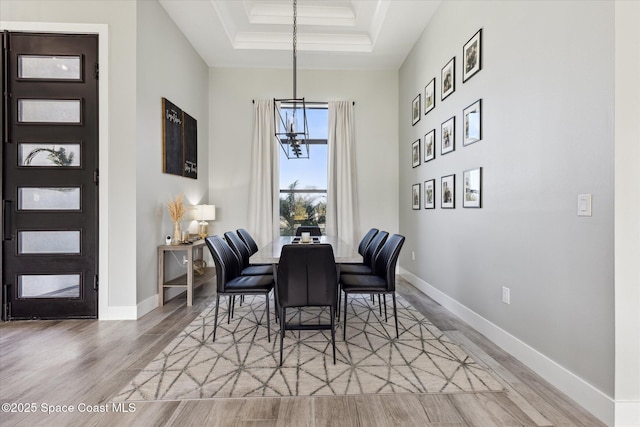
column 356, row 34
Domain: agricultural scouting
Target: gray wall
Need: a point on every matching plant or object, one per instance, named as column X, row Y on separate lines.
column 167, row 66
column 547, row 103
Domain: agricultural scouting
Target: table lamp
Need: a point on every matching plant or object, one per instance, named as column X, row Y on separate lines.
column 205, row 213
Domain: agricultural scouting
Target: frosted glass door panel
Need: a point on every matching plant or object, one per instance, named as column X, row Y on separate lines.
column 49, row 286
column 49, row 199
column 57, row 155
column 49, row 67
column 49, row 110
column 49, row 242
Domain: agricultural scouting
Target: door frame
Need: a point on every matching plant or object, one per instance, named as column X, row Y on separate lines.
column 102, row 30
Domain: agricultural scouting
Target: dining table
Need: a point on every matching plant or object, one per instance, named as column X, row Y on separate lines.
column 270, row 253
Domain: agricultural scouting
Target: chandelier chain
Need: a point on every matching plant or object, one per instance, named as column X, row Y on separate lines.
column 295, row 26
column 295, row 42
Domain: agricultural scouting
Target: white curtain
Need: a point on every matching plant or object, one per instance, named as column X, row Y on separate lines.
column 264, row 186
column 342, row 196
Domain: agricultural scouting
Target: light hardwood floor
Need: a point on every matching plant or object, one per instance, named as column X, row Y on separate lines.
column 82, row 362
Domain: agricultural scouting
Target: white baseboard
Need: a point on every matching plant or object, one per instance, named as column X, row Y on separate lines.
column 136, row 312
column 151, row 303
column 147, row 305
column 592, row 399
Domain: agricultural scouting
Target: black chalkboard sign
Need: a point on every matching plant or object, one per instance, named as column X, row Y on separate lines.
column 171, row 138
column 190, row 146
column 179, row 141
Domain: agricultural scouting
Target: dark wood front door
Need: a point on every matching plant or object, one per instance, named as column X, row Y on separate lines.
column 50, row 176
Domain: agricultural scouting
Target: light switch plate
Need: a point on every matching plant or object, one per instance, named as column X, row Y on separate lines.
column 584, row 204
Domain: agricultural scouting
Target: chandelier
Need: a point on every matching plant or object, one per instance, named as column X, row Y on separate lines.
column 290, row 115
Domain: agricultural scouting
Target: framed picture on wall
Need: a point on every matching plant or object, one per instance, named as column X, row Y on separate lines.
column 472, row 188
column 448, row 136
column 415, row 196
column 448, row 192
column 415, row 110
column 430, row 146
column 472, row 123
column 415, row 153
column 430, row 96
column 448, row 78
column 472, row 56
column 430, row 194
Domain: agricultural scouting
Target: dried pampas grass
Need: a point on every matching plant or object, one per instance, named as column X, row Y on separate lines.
column 176, row 208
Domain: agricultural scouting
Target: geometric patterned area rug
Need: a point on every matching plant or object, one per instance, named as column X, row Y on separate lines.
column 241, row 363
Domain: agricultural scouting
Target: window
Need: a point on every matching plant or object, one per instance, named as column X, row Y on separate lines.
column 303, row 182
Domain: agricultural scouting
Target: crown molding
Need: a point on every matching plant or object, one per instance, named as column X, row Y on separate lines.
column 306, row 42
column 282, row 14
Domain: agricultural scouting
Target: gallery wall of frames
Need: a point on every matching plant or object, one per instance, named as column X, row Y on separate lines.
column 423, row 150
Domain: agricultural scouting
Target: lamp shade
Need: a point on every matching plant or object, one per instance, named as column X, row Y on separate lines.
column 206, row 212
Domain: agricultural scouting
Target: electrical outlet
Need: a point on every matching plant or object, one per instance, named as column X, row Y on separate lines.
column 184, row 259
column 413, row 256
column 506, row 295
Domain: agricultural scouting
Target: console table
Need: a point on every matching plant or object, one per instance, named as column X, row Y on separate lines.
column 191, row 250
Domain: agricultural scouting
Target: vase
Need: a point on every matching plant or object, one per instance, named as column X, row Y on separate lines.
column 177, row 237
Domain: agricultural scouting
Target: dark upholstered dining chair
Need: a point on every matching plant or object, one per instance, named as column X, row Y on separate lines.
column 313, row 230
column 366, row 266
column 307, row 277
column 368, row 248
column 382, row 281
column 230, row 282
column 243, row 254
column 248, row 240
column 366, row 239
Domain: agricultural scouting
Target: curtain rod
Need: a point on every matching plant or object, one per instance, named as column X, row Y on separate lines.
column 253, row 101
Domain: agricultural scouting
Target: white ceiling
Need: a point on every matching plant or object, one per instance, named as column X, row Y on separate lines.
column 340, row 35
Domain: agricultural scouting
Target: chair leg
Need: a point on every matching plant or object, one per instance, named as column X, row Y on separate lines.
column 344, row 323
column 333, row 333
column 276, row 314
column 230, row 309
column 282, row 317
column 215, row 318
column 379, row 305
column 395, row 314
column 384, row 299
column 338, row 310
column 268, row 321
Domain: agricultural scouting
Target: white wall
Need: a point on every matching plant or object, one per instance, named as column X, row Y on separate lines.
column 167, row 66
column 627, row 216
column 547, row 90
column 231, row 118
